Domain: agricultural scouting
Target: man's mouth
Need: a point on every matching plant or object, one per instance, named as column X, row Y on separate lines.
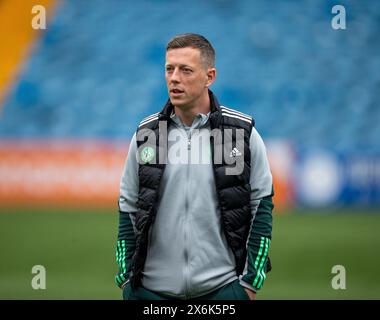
column 176, row 91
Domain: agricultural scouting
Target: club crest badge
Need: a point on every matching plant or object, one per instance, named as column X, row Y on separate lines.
column 147, row 154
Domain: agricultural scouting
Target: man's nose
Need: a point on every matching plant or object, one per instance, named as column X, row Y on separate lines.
column 175, row 76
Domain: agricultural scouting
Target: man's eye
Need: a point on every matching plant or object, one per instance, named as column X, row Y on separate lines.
column 187, row 70
column 169, row 69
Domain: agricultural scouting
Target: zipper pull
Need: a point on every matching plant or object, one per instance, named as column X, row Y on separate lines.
column 189, row 144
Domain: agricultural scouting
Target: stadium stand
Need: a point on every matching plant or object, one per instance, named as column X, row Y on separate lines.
column 98, row 69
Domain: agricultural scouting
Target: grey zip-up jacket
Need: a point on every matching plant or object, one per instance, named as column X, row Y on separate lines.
column 188, row 255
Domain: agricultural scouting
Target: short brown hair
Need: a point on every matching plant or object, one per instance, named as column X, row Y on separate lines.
column 195, row 41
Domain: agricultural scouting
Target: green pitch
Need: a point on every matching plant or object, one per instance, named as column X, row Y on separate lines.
column 77, row 250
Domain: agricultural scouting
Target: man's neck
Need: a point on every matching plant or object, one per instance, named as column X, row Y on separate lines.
column 188, row 113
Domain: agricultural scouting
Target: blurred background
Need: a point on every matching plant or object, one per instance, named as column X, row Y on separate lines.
column 72, row 95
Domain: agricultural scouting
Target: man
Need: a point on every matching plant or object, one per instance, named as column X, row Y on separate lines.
column 191, row 228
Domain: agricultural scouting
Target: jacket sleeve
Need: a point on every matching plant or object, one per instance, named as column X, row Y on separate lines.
column 126, row 240
column 260, row 235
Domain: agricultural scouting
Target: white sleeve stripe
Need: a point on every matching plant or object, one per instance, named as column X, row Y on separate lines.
column 149, row 117
column 147, row 121
column 236, row 114
column 235, row 111
column 237, row 117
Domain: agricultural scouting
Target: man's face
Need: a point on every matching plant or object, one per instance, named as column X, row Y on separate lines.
column 186, row 76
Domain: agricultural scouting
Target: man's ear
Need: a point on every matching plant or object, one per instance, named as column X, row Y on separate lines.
column 211, row 76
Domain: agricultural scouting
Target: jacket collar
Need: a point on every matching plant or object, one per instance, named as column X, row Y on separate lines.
column 215, row 114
